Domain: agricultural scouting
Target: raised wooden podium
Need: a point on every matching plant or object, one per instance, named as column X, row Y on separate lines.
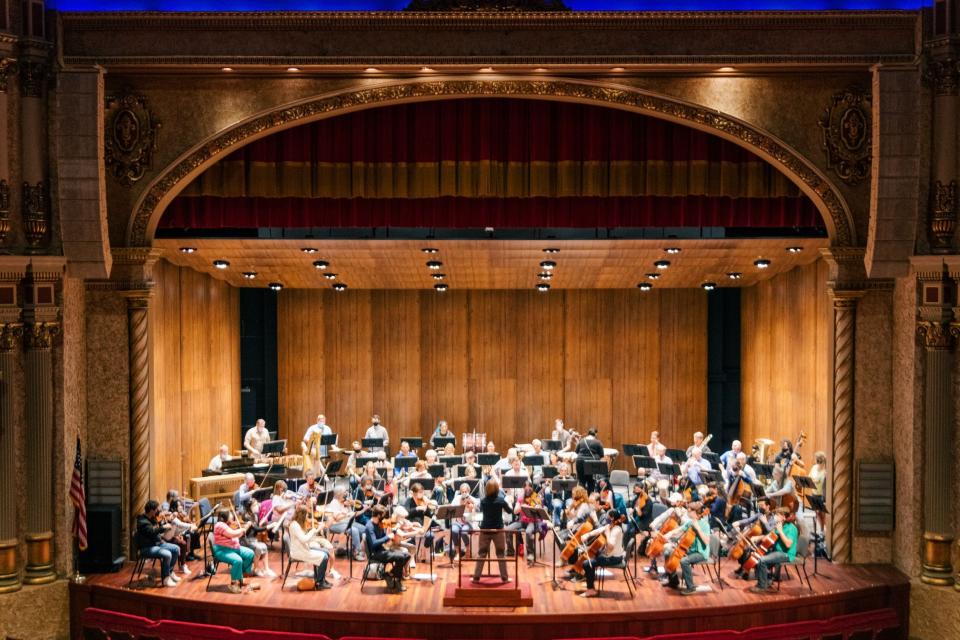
column 490, row 591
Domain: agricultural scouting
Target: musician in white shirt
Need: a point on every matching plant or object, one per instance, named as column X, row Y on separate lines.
column 256, row 437
column 377, row 430
column 698, row 444
column 321, row 428
column 660, row 457
column 216, row 462
column 338, row 516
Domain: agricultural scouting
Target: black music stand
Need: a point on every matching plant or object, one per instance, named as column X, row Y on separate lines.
column 330, row 470
column 763, row 470
column 676, row 454
column 415, row 442
column 328, row 439
column 439, row 442
column 436, row 470
column 372, row 443
column 447, row 513
column 631, row 450
column 363, row 461
column 818, row 505
column 537, row 514
column 450, row 461
column 274, row 447
column 514, row 482
column 595, row 468
column 533, row 460
column 549, row 471
column 551, row 445
column 644, row 462
column 488, row 459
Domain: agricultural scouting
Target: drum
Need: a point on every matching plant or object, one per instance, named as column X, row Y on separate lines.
column 476, row 442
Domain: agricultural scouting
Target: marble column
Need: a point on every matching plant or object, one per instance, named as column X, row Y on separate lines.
column 138, row 316
column 38, row 381
column 844, row 323
column 9, row 350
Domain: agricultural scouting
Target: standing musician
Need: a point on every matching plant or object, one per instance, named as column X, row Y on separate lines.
column 311, row 446
column 783, row 551
column 306, row 545
column 699, row 550
column 612, row 553
column 785, row 455
column 698, row 442
column 492, row 506
column 256, row 437
column 377, row 538
column 216, row 462
column 589, row 448
column 377, row 430
column 226, row 547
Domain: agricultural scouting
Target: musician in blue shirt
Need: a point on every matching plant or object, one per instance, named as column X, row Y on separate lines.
column 377, row 538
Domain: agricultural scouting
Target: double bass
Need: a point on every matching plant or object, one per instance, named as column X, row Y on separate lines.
column 792, row 500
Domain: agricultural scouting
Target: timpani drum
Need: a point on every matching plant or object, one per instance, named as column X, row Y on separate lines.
column 476, row 442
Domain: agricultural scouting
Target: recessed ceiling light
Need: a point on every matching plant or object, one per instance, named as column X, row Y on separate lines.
column 762, row 263
column 726, row 69
column 227, row 69
column 330, row 276
column 548, row 265
column 339, row 286
column 673, row 250
column 188, row 249
column 653, row 276
column 645, row 286
column 486, row 69
column 734, row 275
column 661, row 264
column 540, row 69
column 438, row 276
column 543, row 287
column 309, row 249
column 709, row 286
column 249, row 275
column 320, row 264
column 617, row 69
column 794, row 249
column 440, row 288
column 372, row 70
column 426, row 70
column 434, row 264
column 545, row 275
column 293, row 69
column 221, row 264
column 275, row 286
column 430, row 250
column 551, row 250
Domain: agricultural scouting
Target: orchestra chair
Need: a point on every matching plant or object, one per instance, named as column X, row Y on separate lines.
column 620, row 483
column 214, row 562
column 366, row 567
column 712, row 568
column 285, row 551
column 624, row 566
column 139, row 562
column 800, row 562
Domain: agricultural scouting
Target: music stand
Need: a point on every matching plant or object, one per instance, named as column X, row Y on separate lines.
column 537, row 514
column 372, row 443
column 672, row 469
column 549, row 471
column 644, row 462
column 274, row 447
column 450, row 460
column 328, row 439
column 436, row 470
column 514, row 482
column 763, row 470
column 404, row 462
column 414, row 442
column 819, row 505
column 712, row 458
column 488, row 459
column 562, row 485
column 533, row 460
column 595, row 468
column 439, row 442
column 330, row 470
column 462, row 470
column 676, row 454
column 631, row 450
column 363, row 461
column 551, row 445
column 448, row 512
column 709, row 475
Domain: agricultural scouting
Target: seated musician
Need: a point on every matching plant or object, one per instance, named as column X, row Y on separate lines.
column 678, row 512
column 282, row 504
column 449, row 449
column 639, row 513
column 699, row 551
column 698, row 442
column 339, row 512
column 558, row 500
column 404, row 453
column 560, row 433
column 216, row 462
column 181, row 531
column 780, row 487
column 530, row 526
column 365, row 498
column 226, row 547
column 243, row 495
column 783, row 551
column 660, row 456
column 306, row 546
column 353, row 471
column 579, row 508
column 309, row 488
column 612, row 553
column 610, row 499
column 492, row 507
column 538, row 452
column 694, row 465
column 251, row 516
column 376, row 540
column 506, row 462
column 442, row 431
column 460, row 527
column 256, row 437
column 420, row 508
column 763, row 516
column 654, row 443
column 150, row 544
column 727, row 457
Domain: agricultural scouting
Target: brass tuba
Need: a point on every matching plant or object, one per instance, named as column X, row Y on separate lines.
column 760, row 448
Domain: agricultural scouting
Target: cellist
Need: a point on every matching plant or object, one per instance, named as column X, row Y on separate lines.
column 612, row 553
column 699, row 549
column 784, row 549
column 678, row 513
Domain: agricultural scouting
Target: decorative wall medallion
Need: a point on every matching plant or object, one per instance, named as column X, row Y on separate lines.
column 943, row 217
column 131, row 137
column 4, row 211
column 33, row 76
column 36, row 214
column 486, row 5
column 846, row 134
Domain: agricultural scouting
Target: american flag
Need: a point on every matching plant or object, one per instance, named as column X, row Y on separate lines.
column 79, row 499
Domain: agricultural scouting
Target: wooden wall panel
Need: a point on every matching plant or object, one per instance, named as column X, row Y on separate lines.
column 301, row 365
column 504, row 362
column 196, row 374
column 786, row 374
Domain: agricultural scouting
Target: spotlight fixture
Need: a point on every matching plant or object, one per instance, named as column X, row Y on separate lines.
column 372, row 70
column 339, row 286
column 734, row 275
column 762, row 263
column 545, row 275
column 309, row 249
column 551, row 250
column 330, row 276
column 673, row 250
column 188, row 249
column 543, row 287
column 794, row 249
column 661, row 264
column 438, row 276
column 249, row 275
column 548, row 265
column 430, row 250
column 434, row 264
column 726, row 69
column 645, row 286
column 321, row 264
column 653, row 276
column 275, row 286
column 221, row 264
column 709, row 286
column 227, row 69
column 440, row 288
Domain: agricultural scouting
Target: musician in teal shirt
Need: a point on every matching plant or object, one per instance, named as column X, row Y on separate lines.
column 783, row 551
column 700, row 549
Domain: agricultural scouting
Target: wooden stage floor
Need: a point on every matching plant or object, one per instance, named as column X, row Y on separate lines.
column 419, row 613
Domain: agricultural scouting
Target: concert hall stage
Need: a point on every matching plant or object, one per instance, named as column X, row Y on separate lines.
column 419, row 613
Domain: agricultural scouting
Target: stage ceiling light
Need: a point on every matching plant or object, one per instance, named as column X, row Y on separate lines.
column 440, row 288
column 339, row 286
column 543, row 287
column 545, row 275
column 661, row 264
column 275, row 286
column 734, row 275
column 548, row 265
column 309, row 249
column 321, row 264
column 249, row 275
column 653, row 276
column 330, row 276
column 794, row 249
column 188, row 249
column 438, row 276
column 221, row 264
column 430, row 250
column 673, row 250
column 709, row 286
column 762, row 263
column 645, row 286
column 434, row 264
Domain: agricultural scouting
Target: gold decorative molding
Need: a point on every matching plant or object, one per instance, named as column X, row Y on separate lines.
column 40, row 335
column 938, row 336
column 138, row 318
column 4, row 208
column 8, row 67
column 130, row 136
column 10, row 334
column 943, row 217
column 784, row 158
column 36, row 214
column 846, row 134
column 937, row 567
column 844, row 321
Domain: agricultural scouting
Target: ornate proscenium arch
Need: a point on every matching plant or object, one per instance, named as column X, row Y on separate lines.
column 813, row 183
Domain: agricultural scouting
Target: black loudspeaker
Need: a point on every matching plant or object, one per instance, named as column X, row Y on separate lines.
column 103, row 553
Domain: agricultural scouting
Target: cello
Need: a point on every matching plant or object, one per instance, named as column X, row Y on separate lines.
column 657, row 542
column 597, row 544
column 740, row 546
column 680, row 551
column 764, row 547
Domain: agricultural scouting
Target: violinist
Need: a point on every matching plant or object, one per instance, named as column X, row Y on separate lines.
column 639, row 513
column 610, row 499
column 558, row 500
column 698, row 551
column 460, row 527
column 365, row 499
column 310, row 488
column 612, row 553
column 420, row 509
column 377, row 538
column 531, row 526
column 784, row 549
column 150, row 544
column 243, row 495
column 251, row 516
column 180, row 532
column 226, row 547
column 281, row 505
column 305, row 546
column 339, row 511
column 492, row 506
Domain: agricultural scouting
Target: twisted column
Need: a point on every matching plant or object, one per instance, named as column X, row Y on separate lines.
column 844, row 323
column 38, row 374
column 138, row 308
column 9, row 346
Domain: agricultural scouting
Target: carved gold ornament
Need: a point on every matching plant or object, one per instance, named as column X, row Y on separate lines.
column 845, row 126
column 943, row 218
column 131, row 137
